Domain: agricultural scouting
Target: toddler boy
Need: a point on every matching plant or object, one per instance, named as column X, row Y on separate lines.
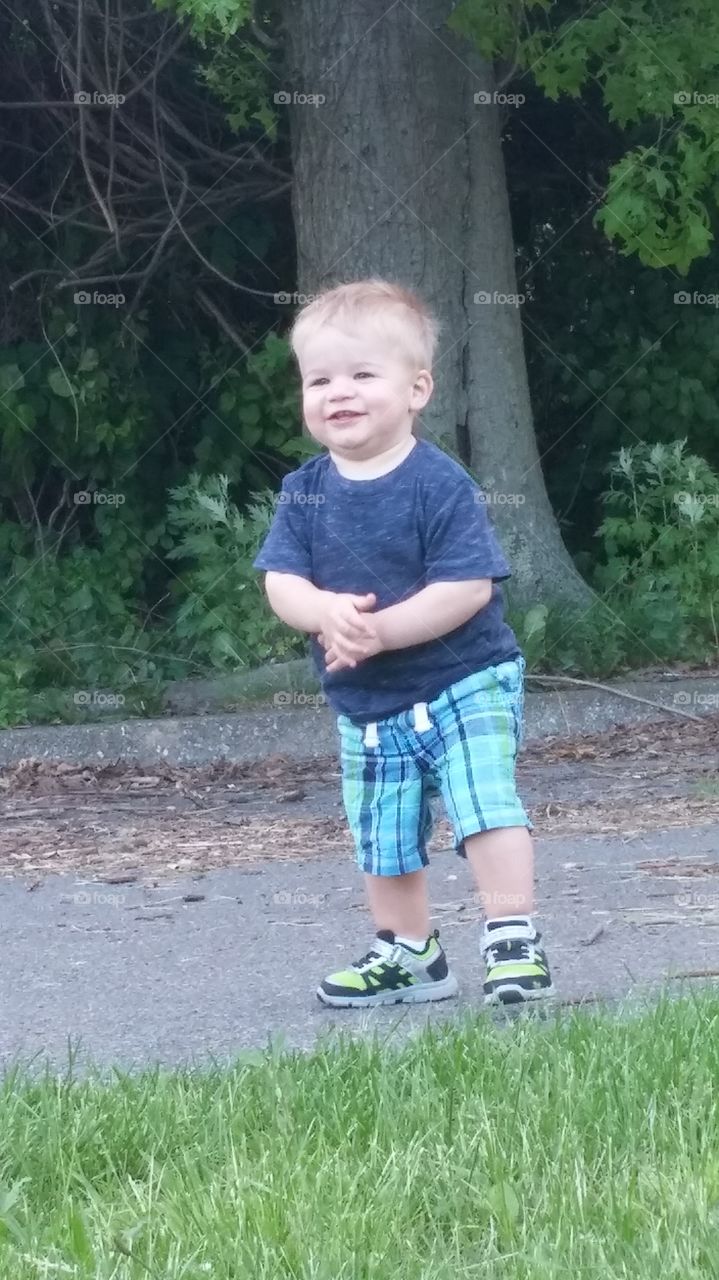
column 381, row 549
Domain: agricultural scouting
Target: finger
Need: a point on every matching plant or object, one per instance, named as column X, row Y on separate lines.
column 345, row 660
column 350, row 648
column 340, row 664
column 346, row 651
column 337, row 665
column 351, row 627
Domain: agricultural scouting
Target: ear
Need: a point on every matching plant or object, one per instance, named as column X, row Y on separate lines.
column 422, row 388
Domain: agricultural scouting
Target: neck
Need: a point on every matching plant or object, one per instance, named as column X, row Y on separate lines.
column 372, row 468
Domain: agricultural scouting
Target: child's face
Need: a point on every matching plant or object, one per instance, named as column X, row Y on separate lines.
column 362, row 377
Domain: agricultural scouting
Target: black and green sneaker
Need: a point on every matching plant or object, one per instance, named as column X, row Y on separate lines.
column 517, row 968
column 391, row 973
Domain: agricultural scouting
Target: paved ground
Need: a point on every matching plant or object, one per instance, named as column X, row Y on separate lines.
column 142, row 974
column 181, row 929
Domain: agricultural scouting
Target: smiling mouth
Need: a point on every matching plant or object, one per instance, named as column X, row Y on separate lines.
column 344, row 416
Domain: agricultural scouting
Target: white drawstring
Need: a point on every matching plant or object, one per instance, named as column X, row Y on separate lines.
column 422, row 723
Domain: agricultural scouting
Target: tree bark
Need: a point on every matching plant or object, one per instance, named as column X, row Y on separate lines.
column 399, row 174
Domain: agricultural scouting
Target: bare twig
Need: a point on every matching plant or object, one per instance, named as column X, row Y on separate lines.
column 222, row 321
column 619, row 693
column 161, row 242
column 40, row 540
column 99, row 47
column 258, row 293
column 64, row 374
column 61, row 503
column 114, row 229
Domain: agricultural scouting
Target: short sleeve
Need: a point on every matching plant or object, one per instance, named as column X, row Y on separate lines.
column 286, row 549
column 460, row 541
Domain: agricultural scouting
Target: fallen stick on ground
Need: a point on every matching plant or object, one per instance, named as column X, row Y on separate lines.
column 587, row 942
column 618, row 693
column 698, row 973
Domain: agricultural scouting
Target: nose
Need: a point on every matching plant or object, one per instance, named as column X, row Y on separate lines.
column 341, row 389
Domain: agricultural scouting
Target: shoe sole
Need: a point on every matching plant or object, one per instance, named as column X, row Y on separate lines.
column 421, row 994
column 518, row 995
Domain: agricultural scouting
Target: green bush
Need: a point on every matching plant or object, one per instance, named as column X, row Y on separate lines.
column 90, row 599
column 661, row 537
column 223, row 618
column 657, row 578
column 69, row 623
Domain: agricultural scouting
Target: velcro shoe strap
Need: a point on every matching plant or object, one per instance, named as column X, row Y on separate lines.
column 509, row 933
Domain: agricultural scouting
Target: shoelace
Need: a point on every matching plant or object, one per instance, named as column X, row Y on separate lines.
column 394, row 957
column 368, row 960
column 510, row 950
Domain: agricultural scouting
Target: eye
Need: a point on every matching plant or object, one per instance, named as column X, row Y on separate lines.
column 364, row 374
column 316, row 382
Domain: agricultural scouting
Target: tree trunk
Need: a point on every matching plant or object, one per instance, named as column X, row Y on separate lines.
column 400, row 174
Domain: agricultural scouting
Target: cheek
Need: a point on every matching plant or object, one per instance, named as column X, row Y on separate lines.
column 311, row 405
column 380, row 393
column 391, row 397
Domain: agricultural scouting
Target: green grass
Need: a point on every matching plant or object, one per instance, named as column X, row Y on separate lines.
column 586, row 1146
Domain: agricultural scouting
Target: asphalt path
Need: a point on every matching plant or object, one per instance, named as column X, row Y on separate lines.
column 204, row 967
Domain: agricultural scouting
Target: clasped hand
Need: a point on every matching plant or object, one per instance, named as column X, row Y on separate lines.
column 348, row 636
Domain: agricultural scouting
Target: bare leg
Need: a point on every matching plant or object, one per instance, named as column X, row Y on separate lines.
column 400, row 903
column 502, row 861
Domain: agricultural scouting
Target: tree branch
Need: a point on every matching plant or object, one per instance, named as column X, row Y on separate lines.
column 222, row 321
column 112, row 224
column 99, row 47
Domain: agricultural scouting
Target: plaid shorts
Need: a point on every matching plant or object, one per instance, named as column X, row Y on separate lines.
column 463, row 746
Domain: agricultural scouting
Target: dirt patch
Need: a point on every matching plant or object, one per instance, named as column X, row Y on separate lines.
column 122, row 820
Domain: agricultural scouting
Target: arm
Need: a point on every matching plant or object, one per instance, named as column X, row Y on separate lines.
column 296, row 601
column 431, row 613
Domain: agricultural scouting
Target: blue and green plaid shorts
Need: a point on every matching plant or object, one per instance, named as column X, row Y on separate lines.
column 463, row 746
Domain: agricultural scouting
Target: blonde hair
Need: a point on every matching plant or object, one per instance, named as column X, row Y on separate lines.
column 395, row 312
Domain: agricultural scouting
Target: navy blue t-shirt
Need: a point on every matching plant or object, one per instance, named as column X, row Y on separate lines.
column 423, row 522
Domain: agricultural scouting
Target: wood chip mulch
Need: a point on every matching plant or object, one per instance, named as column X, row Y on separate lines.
column 120, row 818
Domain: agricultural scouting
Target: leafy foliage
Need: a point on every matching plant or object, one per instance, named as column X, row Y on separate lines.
column 71, row 623
column 618, row 361
column 655, row 66
column 210, row 16
column 661, row 536
column 89, row 448
column 241, row 81
column 223, row 618
column 659, row 567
